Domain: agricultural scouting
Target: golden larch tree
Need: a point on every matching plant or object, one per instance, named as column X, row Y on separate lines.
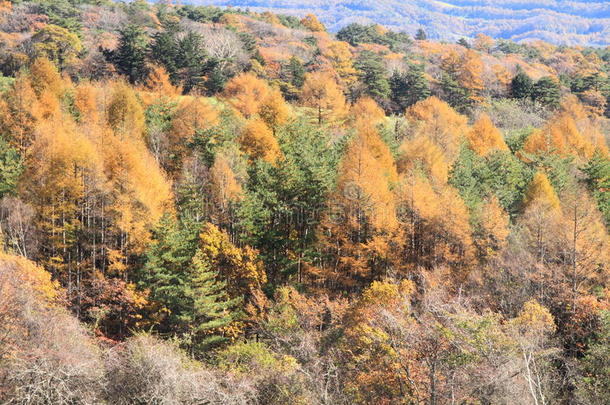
column 359, row 229
column 435, row 221
column 258, row 142
column 225, row 187
column 586, row 240
column 124, row 112
column 311, row 22
column 192, row 116
column 484, row 137
column 322, row 93
column 493, row 228
column 158, row 82
column 246, row 92
column 19, row 114
column 541, row 219
column 342, row 61
column 45, row 77
column 422, row 154
column 367, row 109
column 436, row 119
column 274, row 110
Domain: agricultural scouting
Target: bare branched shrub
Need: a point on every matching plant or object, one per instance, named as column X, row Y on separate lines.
column 22, row 18
column 145, row 370
column 17, row 226
column 47, row 356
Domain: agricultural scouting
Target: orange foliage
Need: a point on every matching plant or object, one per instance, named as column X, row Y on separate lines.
column 225, row 187
column 124, row 112
column 421, row 154
column 192, row 115
column 258, row 142
column 483, row 43
column 158, row 82
column 85, row 102
column 321, row 93
column 367, row 109
column 485, row 138
column 569, row 132
column 274, row 110
column 19, row 112
column 312, row 23
column 442, row 124
column 436, row 222
column 245, row 93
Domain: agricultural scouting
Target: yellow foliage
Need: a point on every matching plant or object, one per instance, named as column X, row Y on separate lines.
column 366, row 109
column 124, row 112
column 321, row 93
column 240, row 268
column 485, row 138
column 30, row 274
column 422, row 154
column 225, row 187
column 45, row 77
column 258, row 142
column 341, row 58
column 540, row 190
column 442, row 124
column 274, row 110
column 246, row 93
column 386, row 294
column 312, row 23
column 534, row 319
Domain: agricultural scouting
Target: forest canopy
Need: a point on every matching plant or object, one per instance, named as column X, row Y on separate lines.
column 223, row 206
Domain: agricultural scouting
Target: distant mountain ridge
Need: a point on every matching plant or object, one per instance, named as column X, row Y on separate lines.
column 557, row 21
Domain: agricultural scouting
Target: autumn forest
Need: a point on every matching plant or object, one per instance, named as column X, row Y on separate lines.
column 204, row 205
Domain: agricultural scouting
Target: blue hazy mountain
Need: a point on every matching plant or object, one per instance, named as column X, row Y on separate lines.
column 557, row 21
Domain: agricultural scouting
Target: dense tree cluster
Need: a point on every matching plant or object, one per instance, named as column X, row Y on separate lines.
column 201, row 205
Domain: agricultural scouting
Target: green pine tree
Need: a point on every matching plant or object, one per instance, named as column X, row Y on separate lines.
column 164, row 49
column 546, row 91
column 192, row 61
column 212, row 308
column 297, row 72
column 421, row 35
column 164, row 274
column 11, row 168
column 189, row 302
column 373, row 74
column 130, row 56
column 597, row 172
column 521, row 86
column 457, row 96
column 464, row 43
column 594, row 384
column 409, row 87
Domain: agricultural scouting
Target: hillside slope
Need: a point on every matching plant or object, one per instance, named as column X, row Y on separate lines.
column 561, row 22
